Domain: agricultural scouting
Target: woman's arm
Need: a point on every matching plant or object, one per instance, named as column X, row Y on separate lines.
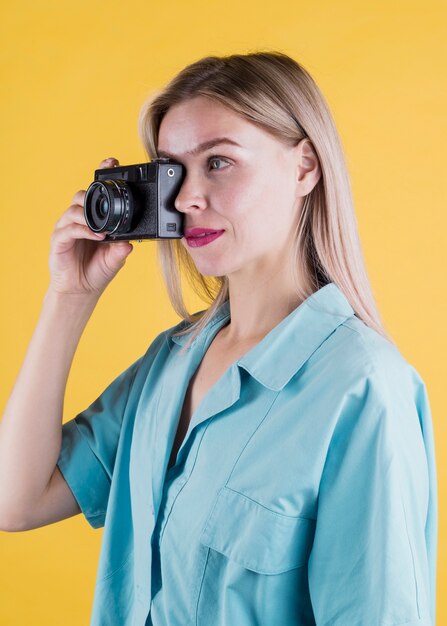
column 30, row 431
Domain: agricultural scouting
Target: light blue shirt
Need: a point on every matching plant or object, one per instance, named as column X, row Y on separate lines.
column 303, row 493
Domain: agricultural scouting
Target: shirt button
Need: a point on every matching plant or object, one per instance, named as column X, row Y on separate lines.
column 152, row 510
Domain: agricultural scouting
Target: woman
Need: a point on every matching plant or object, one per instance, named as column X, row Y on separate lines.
column 269, row 460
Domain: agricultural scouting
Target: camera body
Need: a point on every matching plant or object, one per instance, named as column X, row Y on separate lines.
column 136, row 201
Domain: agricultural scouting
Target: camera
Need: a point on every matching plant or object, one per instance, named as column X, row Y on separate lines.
column 136, row 201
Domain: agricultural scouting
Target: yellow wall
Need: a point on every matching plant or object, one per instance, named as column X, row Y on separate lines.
column 74, row 75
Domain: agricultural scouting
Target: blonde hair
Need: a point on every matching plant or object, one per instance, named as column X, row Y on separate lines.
column 277, row 93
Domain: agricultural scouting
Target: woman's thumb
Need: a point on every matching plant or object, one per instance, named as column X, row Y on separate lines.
column 121, row 250
column 124, row 245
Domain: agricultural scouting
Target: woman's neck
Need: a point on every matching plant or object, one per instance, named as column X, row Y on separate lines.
column 257, row 306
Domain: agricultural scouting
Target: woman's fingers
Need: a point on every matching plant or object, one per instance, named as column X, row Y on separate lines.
column 111, row 162
column 74, row 213
column 73, row 231
column 78, row 266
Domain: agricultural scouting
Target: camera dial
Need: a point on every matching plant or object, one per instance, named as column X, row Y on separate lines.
column 109, row 206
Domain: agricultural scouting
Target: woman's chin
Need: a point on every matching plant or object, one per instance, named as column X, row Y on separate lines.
column 210, row 267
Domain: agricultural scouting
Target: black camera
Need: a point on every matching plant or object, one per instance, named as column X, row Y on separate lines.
column 136, row 201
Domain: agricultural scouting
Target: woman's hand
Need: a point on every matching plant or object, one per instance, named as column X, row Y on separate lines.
column 78, row 263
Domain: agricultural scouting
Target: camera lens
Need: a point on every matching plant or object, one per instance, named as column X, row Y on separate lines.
column 103, row 207
column 108, row 206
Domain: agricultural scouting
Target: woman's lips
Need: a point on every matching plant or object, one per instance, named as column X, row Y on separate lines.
column 202, row 240
column 200, row 230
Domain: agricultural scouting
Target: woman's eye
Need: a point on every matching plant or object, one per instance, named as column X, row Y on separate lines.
column 216, row 160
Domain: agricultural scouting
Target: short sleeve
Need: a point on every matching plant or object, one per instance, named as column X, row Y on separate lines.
column 89, row 444
column 372, row 557
column 90, row 440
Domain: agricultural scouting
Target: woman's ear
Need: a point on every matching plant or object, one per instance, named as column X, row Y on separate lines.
column 308, row 167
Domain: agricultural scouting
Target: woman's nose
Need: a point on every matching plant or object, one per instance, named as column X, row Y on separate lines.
column 191, row 195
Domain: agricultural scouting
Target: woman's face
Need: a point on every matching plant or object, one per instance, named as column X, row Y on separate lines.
column 247, row 188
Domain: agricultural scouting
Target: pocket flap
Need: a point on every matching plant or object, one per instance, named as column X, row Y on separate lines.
column 256, row 537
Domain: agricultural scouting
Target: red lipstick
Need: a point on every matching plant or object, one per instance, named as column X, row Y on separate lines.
column 196, row 237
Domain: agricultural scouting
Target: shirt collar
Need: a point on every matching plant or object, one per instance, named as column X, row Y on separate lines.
column 284, row 350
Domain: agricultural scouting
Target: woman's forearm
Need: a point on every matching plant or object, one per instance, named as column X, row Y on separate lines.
column 31, row 426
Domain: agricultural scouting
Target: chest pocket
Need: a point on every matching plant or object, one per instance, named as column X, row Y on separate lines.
column 255, row 537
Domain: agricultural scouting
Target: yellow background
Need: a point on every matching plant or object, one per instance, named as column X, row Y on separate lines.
column 74, row 75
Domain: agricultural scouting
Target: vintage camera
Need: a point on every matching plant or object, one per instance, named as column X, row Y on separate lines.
column 136, row 201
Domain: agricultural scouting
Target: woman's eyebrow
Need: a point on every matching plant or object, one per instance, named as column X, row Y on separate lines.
column 206, row 145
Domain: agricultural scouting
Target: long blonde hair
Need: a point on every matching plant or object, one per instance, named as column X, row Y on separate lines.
column 274, row 91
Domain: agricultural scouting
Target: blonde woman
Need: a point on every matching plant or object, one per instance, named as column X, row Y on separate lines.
column 270, row 459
